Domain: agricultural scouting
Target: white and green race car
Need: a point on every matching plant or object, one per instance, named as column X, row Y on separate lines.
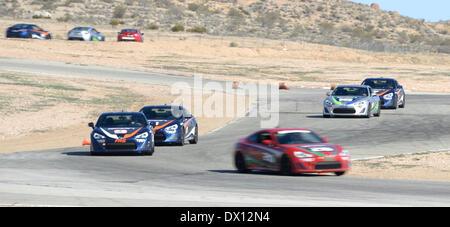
column 352, row 100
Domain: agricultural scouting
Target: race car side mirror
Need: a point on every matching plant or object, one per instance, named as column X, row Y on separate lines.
column 325, row 140
column 91, row 124
column 328, row 93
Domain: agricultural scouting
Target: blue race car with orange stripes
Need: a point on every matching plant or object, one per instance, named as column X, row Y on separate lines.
column 30, row 31
column 391, row 93
column 172, row 124
column 122, row 132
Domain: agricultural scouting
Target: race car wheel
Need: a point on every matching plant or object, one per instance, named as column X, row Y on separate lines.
column 378, row 113
column 181, row 142
column 369, row 107
column 339, row 173
column 195, row 139
column 403, row 102
column 286, row 166
column 395, row 104
column 239, row 162
column 151, row 151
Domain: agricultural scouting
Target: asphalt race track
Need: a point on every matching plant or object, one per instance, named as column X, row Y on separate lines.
column 204, row 175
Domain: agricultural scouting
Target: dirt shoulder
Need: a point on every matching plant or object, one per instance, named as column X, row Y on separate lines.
column 424, row 166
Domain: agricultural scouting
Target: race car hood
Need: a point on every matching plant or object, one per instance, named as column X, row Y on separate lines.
column 346, row 100
column 381, row 92
column 120, row 132
column 319, row 149
column 159, row 123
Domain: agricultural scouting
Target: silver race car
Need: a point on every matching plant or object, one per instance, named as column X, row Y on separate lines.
column 352, row 100
column 85, row 34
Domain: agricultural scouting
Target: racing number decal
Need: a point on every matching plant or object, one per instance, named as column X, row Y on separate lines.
column 268, row 158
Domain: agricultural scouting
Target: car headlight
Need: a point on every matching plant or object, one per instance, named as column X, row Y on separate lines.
column 328, row 103
column 142, row 136
column 99, row 136
column 300, row 154
column 171, row 129
column 344, row 153
column 388, row 96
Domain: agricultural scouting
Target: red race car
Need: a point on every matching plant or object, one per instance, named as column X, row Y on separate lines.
column 130, row 35
column 290, row 151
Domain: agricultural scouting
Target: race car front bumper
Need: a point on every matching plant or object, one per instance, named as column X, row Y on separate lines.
column 322, row 165
column 130, row 145
column 162, row 137
column 345, row 110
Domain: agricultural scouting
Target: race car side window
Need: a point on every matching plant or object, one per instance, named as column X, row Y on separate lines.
column 263, row 136
column 253, row 138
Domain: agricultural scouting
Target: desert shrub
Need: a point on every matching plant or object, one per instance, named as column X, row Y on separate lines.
column 37, row 16
column 268, row 19
column 116, row 22
column 177, row 28
column 326, row 27
column 235, row 13
column 73, row 1
column 153, row 27
column 65, row 18
column 119, row 11
column 234, row 44
column 193, row 6
column 197, row 30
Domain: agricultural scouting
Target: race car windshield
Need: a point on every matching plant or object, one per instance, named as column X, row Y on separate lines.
column 20, row 26
column 297, row 137
column 80, row 29
column 161, row 113
column 380, row 84
column 350, row 91
column 121, row 120
column 129, row 31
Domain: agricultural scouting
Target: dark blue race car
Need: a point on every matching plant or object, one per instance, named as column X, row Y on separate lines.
column 172, row 124
column 30, row 31
column 391, row 93
column 122, row 132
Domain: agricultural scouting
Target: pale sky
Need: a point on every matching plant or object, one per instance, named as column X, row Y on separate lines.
column 430, row 10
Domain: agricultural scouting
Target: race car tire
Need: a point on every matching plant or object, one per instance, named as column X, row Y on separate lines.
column 369, row 107
column 339, row 173
column 403, row 102
column 195, row 139
column 395, row 104
column 378, row 113
column 239, row 162
column 181, row 142
column 286, row 166
column 151, row 151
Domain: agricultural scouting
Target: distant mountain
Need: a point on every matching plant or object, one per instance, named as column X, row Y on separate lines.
column 332, row 22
